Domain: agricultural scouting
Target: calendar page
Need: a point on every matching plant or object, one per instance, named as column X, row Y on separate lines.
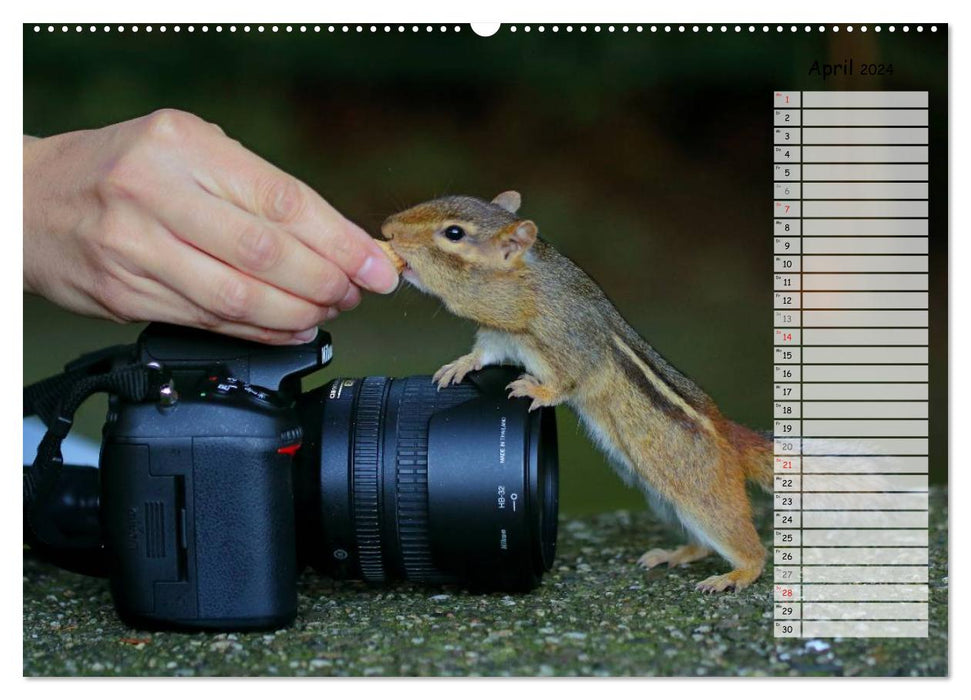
column 852, row 445
column 712, row 260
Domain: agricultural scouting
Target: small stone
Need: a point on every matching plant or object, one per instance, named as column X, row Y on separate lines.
column 817, row 645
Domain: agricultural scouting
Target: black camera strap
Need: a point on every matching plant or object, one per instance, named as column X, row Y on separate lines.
column 55, row 401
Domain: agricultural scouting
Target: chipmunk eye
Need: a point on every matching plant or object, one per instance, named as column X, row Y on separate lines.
column 454, row 233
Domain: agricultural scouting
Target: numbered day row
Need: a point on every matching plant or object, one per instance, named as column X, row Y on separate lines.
column 861, row 208
column 850, row 135
column 785, row 520
column 849, row 117
column 850, row 190
column 849, row 154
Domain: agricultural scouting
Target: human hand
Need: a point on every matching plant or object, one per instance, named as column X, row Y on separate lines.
column 165, row 218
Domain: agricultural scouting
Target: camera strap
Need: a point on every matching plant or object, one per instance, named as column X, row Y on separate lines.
column 55, row 401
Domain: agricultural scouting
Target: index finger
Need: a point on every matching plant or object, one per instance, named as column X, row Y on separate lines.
column 243, row 178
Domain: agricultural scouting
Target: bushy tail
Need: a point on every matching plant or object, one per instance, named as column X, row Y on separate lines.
column 757, row 455
column 755, row 450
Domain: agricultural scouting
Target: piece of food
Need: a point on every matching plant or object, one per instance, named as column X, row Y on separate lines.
column 396, row 260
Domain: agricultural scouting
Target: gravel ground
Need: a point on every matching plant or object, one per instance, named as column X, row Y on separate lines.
column 595, row 614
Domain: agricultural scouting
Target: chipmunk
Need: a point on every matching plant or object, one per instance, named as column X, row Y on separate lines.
column 537, row 308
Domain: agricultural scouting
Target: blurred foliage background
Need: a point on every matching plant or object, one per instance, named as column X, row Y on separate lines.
column 644, row 157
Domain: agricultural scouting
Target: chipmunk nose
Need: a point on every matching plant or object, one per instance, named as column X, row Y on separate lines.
column 387, row 228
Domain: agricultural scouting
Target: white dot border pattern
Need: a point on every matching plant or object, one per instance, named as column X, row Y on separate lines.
column 512, row 28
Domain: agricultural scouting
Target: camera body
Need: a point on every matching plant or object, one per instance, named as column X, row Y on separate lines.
column 197, row 499
column 225, row 480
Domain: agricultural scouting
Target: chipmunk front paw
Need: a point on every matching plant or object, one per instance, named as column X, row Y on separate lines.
column 454, row 372
column 529, row 387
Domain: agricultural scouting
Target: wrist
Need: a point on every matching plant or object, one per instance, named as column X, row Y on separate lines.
column 48, row 215
column 31, row 153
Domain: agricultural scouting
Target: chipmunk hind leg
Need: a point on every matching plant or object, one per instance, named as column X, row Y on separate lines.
column 731, row 533
column 679, row 556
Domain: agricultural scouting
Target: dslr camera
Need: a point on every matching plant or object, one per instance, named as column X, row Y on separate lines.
column 224, row 479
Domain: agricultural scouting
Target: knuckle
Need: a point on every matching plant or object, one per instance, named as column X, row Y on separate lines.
column 259, row 248
column 333, row 288
column 282, row 199
column 233, row 299
column 346, row 249
column 307, row 316
column 299, row 315
column 169, row 124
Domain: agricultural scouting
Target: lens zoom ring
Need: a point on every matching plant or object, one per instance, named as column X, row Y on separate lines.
column 367, row 475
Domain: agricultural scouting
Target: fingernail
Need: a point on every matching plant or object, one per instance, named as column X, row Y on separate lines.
column 377, row 274
column 307, row 335
column 351, row 299
column 331, row 314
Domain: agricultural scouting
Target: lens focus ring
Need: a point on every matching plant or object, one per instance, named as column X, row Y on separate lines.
column 367, row 477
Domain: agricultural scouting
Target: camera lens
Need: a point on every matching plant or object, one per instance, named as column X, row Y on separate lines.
column 397, row 479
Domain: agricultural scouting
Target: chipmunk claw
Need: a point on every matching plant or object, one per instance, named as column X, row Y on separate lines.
column 715, row 584
column 734, row 580
column 654, row 557
column 679, row 556
column 454, row 372
column 529, row 387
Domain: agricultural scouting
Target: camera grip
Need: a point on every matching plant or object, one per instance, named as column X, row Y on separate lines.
column 200, row 531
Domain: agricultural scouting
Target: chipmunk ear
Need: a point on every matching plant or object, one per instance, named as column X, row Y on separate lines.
column 508, row 200
column 516, row 239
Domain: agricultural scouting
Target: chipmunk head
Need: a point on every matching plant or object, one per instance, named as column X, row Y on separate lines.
column 462, row 248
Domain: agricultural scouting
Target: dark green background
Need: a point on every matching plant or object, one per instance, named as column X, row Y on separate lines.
column 645, row 157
